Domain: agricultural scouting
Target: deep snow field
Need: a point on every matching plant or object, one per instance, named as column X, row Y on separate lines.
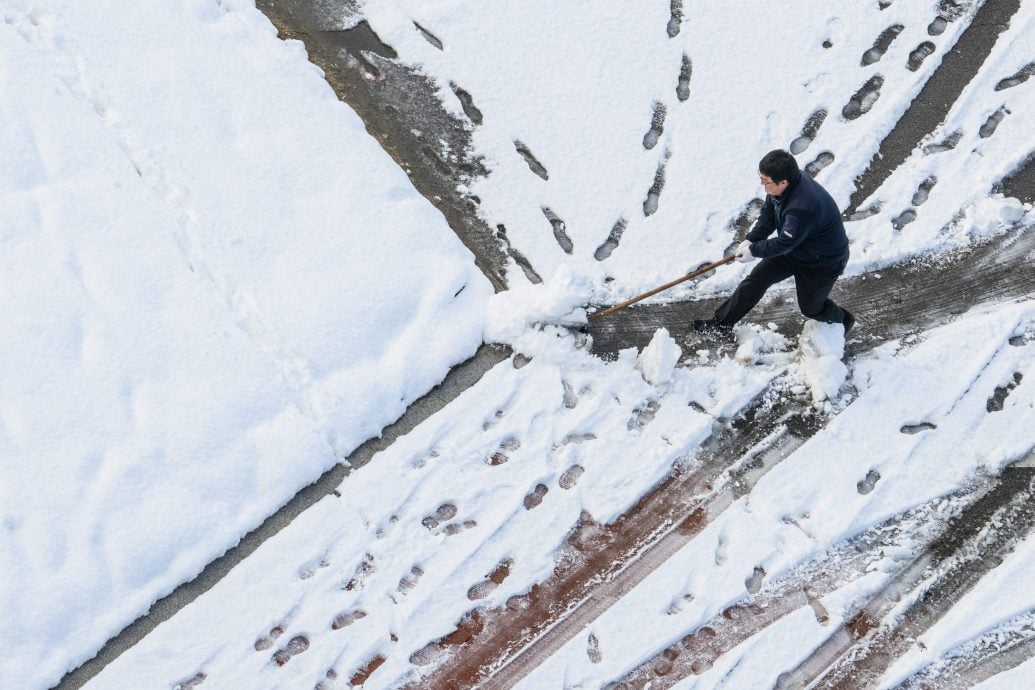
column 216, row 285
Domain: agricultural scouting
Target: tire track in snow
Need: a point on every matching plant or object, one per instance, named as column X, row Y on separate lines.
column 997, row 651
column 602, row 563
column 697, row 650
column 862, row 649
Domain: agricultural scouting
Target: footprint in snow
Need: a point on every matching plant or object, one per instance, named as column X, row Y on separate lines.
column 593, row 649
column 266, row 641
column 364, row 570
column 364, row 672
column 924, row 190
column 570, row 399
column 455, row 528
column 560, row 233
column 867, row 483
column 809, row 131
column 308, row 570
column 679, row 604
column 192, row 682
column 535, row 498
column 675, row 18
column 577, row 438
column 754, row 583
column 492, row 421
column 988, row 129
column 347, row 618
column 296, row 645
column 444, row 513
column 643, row 415
column 864, row 213
column 1022, row 76
column 611, row 243
column 820, row 611
column 571, row 476
column 664, row 663
column 411, row 579
column 331, row 676
column 650, row 204
column 946, row 144
column 383, row 530
column 657, row 127
column 533, row 163
column 881, row 45
column 821, row 161
column 493, row 580
column 422, row 460
column 860, row 103
column 918, row 55
column 903, row 219
column 722, row 550
column 686, row 71
column 427, row 655
column 507, row 445
column 995, row 403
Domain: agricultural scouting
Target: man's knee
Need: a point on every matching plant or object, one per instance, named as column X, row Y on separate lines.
column 825, row 311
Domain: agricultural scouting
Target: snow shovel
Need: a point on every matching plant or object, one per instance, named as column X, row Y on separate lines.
column 618, row 307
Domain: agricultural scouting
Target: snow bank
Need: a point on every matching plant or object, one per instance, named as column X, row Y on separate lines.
column 215, row 285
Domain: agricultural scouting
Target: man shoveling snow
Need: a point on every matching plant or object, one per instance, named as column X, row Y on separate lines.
column 810, row 244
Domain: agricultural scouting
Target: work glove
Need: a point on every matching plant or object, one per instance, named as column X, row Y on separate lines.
column 743, row 253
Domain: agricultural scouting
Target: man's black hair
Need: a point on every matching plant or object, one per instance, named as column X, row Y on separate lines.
column 778, row 166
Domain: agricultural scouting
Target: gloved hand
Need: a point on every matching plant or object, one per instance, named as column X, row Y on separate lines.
column 743, row 253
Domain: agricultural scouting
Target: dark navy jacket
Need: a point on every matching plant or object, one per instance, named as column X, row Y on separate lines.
column 808, row 226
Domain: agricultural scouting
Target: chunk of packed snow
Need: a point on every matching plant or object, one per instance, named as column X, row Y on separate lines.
column 659, row 358
column 821, row 347
column 756, row 344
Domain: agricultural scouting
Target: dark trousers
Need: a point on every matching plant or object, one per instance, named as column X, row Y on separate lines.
column 813, row 286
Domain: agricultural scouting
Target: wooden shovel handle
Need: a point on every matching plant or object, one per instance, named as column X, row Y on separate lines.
column 618, row 307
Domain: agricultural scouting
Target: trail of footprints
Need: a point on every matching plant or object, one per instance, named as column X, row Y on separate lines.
column 919, row 197
column 948, row 143
column 863, row 100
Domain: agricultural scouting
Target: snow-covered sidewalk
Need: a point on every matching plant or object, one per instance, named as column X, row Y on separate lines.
column 471, row 508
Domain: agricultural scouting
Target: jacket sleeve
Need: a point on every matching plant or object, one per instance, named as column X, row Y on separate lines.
column 765, row 224
column 796, row 227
